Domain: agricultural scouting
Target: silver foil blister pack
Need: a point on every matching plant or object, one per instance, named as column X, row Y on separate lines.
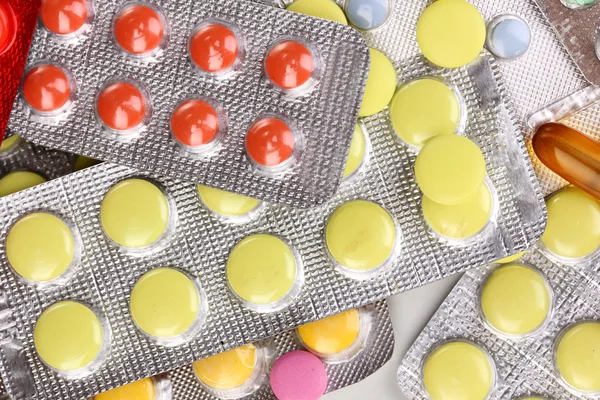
column 322, row 129
column 199, row 243
column 523, row 366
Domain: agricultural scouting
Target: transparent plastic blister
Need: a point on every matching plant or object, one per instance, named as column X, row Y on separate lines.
column 173, row 64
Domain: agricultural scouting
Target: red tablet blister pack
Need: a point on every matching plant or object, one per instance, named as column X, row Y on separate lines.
column 17, row 23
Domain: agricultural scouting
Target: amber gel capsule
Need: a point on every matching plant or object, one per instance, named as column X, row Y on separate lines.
column 570, row 154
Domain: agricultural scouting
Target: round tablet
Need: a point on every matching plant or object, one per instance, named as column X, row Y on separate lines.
column 458, row 371
column 226, row 203
column 195, row 123
column 298, row 375
column 270, row 142
column 325, row 9
column 261, row 269
column 333, row 334
column 360, row 235
column 289, row 64
column 139, row 390
column 512, row 258
column 121, row 106
column 46, row 88
column 367, row 14
column 451, row 33
column 9, row 143
column 164, row 303
column 462, row 220
column 214, row 48
column 83, row 162
column 515, row 299
column 228, row 370
column 508, row 36
column 40, row 247
column 424, row 108
column 578, row 356
column 134, row 213
column 63, row 17
column 450, row 169
column 139, row 29
column 381, row 84
column 8, row 26
column 68, row 336
column 19, row 180
column 356, row 153
column 573, row 228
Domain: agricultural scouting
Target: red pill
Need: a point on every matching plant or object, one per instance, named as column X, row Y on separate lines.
column 270, row 142
column 46, row 88
column 8, row 26
column 139, row 29
column 214, row 48
column 195, row 123
column 289, row 64
column 63, row 17
column 570, row 154
column 121, row 106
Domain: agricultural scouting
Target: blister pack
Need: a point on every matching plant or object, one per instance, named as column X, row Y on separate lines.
column 233, row 95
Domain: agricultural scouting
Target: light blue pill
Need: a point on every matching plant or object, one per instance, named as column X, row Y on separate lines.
column 508, row 37
column 367, row 14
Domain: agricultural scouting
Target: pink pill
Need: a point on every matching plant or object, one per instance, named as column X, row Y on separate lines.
column 298, row 375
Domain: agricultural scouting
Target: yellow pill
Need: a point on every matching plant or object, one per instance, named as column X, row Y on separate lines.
column 360, row 235
column 515, row 299
column 458, row 371
column 573, row 228
column 512, row 258
column 333, row 334
column 461, row 220
column 357, row 152
column 422, row 109
column 83, row 162
column 139, row 390
column 164, row 303
column 134, row 213
column 19, row 180
column 228, row 370
column 10, row 143
column 450, row 169
column 325, row 9
column 578, row 357
column 261, row 269
column 68, row 336
column 40, row 247
column 226, row 203
column 451, row 33
column 381, row 84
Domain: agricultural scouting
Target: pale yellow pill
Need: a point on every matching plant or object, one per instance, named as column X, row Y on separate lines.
column 450, row 169
column 458, row 371
column 578, row 356
column 357, row 152
column 68, row 336
column 226, row 203
column 10, row 143
column 228, row 370
column 512, row 258
column 325, row 9
column 19, row 180
column 40, row 247
column 381, row 84
column 459, row 221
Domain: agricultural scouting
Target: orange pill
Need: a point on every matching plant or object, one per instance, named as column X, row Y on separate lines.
column 139, row 29
column 289, row 64
column 270, row 142
column 570, row 154
column 63, row 17
column 46, row 88
column 214, row 48
column 8, row 26
column 121, row 106
column 195, row 123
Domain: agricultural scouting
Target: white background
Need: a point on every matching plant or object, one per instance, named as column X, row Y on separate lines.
column 410, row 312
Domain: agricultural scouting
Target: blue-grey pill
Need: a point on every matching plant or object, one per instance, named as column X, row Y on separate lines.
column 367, row 14
column 509, row 37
